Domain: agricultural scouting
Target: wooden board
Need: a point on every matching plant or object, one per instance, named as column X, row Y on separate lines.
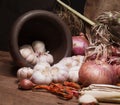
column 11, row 95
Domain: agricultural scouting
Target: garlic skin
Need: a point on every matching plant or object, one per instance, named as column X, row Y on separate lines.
column 72, row 61
column 24, row 73
column 32, row 59
column 79, row 59
column 38, row 47
column 41, row 77
column 46, row 57
column 67, row 61
column 28, row 53
column 73, row 74
column 87, row 99
column 41, row 66
column 58, row 74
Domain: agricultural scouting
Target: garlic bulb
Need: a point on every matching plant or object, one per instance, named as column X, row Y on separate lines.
column 73, row 74
column 58, row 74
column 41, row 66
column 29, row 47
column 28, row 53
column 70, row 62
column 67, row 61
column 24, row 72
column 79, row 59
column 46, row 57
column 41, row 77
column 39, row 47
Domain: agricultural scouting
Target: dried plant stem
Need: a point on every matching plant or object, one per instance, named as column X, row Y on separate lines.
column 76, row 13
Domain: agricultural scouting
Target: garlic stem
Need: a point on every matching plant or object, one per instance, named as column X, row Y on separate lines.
column 76, row 13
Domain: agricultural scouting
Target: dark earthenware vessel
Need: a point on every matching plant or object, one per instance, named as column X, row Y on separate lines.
column 44, row 26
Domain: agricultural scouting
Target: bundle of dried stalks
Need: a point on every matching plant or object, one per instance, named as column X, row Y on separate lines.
column 74, row 23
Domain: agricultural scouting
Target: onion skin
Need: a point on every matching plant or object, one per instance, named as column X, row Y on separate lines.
column 25, row 84
column 96, row 72
column 80, row 43
column 114, row 50
column 117, row 71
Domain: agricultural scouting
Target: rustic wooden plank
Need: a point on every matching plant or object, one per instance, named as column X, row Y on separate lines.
column 11, row 95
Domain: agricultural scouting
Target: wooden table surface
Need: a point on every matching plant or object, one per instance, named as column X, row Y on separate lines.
column 11, row 95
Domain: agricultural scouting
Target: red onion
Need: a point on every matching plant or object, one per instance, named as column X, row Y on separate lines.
column 25, row 84
column 79, row 44
column 96, row 72
column 115, row 51
column 117, row 71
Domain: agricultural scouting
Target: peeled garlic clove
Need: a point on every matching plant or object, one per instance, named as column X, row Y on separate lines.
column 24, row 72
column 39, row 47
column 87, row 99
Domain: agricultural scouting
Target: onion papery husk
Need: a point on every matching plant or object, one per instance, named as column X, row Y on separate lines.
column 96, row 72
column 111, row 19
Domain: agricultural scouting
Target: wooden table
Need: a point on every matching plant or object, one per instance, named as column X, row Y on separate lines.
column 11, row 95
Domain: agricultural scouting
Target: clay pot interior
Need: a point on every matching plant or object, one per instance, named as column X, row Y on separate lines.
column 43, row 26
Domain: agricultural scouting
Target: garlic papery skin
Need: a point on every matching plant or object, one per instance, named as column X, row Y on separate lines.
column 87, row 99
column 70, row 62
column 32, row 59
column 58, row 74
column 41, row 77
column 24, row 73
column 79, row 59
column 28, row 54
column 38, row 47
column 27, row 46
column 73, row 74
column 41, row 66
column 25, row 50
column 46, row 57
column 67, row 61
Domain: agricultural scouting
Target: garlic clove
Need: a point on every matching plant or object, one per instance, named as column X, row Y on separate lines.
column 87, row 99
column 39, row 47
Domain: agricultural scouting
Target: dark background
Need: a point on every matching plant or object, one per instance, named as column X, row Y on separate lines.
column 10, row 10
